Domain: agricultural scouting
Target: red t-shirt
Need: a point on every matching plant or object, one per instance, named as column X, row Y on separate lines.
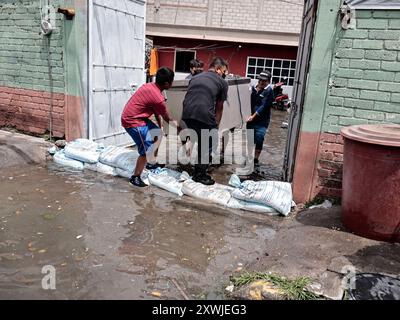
column 146, row 102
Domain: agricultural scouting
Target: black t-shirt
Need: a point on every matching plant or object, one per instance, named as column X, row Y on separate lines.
column 204, row 90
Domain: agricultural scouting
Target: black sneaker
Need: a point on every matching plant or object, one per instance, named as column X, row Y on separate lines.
column 204, row 179
column 151, row 166
column 136, row 181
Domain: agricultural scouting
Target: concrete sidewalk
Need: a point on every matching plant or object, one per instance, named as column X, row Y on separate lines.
column 19, row 149
column 315, row 244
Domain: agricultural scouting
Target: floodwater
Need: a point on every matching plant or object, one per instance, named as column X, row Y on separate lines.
column 107, row 240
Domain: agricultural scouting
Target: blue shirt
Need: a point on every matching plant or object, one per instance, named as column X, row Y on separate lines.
column 261, row 103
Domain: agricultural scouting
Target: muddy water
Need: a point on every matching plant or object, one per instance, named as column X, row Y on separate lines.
column 109, row 241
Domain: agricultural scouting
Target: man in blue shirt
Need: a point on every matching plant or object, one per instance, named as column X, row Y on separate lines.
column 262, row 97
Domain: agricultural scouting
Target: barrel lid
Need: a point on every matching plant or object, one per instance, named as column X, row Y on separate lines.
column 381, row 134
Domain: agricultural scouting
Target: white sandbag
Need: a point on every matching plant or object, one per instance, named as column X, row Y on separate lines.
column 61, row 159
column 275, row 194
column 128, row 174
column 101, row 168
column 168, row 179
column 83, row 150
column 122, row 173
column 251, row 206
column 119, row 157
column 216, row 193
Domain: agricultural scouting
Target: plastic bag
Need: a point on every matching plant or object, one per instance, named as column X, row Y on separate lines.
column 119, row 157
column 275, row 194
column 83, row 150
column 168, row 179
column 61, row 159
column 216, row 193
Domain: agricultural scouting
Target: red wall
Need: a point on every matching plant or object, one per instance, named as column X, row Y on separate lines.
column 237, row 57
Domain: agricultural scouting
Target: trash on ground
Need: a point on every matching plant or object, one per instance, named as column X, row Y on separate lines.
column 325, row 205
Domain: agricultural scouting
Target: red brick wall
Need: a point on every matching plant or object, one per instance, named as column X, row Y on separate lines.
column 29, row 111
column 330, row 165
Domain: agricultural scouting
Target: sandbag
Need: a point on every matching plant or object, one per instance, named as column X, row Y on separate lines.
column 168, row 179
column 122, row 173
column 275, row 194
column 216, row 193
column 101, row 168
column 234, row 203
column 119, row 157
column 61, row 159
column 83, row 150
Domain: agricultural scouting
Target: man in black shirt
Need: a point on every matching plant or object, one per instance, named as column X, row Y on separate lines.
column 202, row 112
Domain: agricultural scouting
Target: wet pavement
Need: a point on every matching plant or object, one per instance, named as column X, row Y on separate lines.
column 108, row 241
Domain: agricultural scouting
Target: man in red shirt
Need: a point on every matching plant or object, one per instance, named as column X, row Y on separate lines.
column 147, row 101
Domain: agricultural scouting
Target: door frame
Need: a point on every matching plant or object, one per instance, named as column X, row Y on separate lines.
column 303, row 57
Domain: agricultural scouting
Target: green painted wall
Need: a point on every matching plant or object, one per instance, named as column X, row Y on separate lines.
column 355, row 73
column 365, row 77
column 28, row 59
column 76, row 45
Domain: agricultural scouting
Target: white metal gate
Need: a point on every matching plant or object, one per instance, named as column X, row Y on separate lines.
column 116, row 64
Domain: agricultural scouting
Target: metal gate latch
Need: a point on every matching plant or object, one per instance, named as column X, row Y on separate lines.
column 346, row 16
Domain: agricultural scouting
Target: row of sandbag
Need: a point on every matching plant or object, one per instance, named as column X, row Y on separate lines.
column 83, row 154
column 269, row 197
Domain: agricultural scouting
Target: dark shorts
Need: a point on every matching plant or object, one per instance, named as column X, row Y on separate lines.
column 144, row 136
column 259, row 134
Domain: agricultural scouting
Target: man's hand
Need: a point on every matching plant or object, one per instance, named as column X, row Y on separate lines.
column 251, row 118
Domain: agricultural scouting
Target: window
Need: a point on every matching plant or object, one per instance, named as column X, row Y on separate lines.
column 182, row 60
column 279, row 68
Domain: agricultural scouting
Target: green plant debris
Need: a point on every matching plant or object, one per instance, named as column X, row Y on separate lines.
column 293, row 289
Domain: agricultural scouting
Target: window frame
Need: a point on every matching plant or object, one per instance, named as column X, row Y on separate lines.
column 184, row 50
column 272, row 69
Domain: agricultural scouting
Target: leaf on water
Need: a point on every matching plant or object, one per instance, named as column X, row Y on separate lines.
column 48, row 216
column 10, row 256
column 156, row 294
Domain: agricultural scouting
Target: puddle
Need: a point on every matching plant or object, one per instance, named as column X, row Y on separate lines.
column 372, row 286
column 109, row 241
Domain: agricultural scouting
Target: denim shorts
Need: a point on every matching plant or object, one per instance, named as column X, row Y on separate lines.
column 259, row 134
column 144, row 136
